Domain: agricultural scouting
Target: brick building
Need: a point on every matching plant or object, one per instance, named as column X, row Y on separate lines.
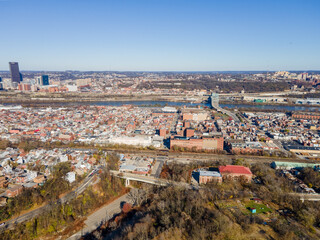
column 14, row 191
column 162, row 132
column 189, row 132
column 306, row 116
column 235, row 172
column 209, row 176
column 208, row 143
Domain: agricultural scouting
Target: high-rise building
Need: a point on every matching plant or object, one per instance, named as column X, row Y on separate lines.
column 39, row 81
column 43, row 80
column 15, row 73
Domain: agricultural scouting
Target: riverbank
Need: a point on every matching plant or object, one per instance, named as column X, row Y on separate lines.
column 271, row 108
column 109, row 103
column 88, row 99
column 239, row 107
column 265, row 103
column 39, row 97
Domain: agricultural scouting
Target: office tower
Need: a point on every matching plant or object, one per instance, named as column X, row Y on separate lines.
column 43, row 80
column 15, row 73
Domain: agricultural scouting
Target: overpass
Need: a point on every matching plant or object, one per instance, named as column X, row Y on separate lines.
column 163, row 182
column 307, row 196
column 214, row 100
column 151, row 180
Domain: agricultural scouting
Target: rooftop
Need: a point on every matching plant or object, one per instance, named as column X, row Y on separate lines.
column 209, row 173
column 234, row 169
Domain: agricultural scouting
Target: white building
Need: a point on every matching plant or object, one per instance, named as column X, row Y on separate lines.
column 71, row 177
column 143, row 141
column 72, row 88
column 169, row 109
column 63, row 158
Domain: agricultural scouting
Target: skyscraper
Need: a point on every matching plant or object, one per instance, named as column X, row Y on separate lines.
column 15, row 73
column 43, row 80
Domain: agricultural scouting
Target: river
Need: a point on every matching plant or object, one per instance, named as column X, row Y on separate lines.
column 178, row 104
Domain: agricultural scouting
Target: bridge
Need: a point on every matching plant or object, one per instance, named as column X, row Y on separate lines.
column 149, row 179
column 214, row 100
column 307, row 196
column 163, row 182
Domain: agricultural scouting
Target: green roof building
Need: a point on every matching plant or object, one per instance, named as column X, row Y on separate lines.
column 291, row 165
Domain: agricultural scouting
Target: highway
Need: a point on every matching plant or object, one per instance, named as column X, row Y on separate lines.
column 29, row 215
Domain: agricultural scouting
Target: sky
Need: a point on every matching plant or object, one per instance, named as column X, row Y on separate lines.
column 160, row 35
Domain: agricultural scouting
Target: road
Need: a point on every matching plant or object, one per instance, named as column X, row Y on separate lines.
column 156, row 170
column 164, row 182
column 171, row 157
column 152, row 180
column 103, row 214
column 216, row 106
column 29, row 215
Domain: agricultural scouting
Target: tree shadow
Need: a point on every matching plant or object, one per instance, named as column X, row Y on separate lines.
column 122, row 203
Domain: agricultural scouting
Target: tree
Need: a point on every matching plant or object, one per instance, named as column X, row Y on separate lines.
column 112, row 161
column 61, row 169
column 137, row 196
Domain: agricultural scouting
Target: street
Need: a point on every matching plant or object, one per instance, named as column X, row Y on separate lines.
column 103, row 214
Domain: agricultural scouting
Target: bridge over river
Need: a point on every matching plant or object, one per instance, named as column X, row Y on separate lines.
column 214, row 100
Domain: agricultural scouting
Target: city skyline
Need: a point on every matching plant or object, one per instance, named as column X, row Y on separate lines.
column 159, row 119
column 161, row 35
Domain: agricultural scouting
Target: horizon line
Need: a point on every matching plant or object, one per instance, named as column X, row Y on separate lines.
column 164, row 71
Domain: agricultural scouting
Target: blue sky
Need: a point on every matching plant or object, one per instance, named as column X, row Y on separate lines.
column 160, row 35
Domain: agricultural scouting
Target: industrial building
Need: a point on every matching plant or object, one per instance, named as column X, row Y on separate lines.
column 204, row 143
